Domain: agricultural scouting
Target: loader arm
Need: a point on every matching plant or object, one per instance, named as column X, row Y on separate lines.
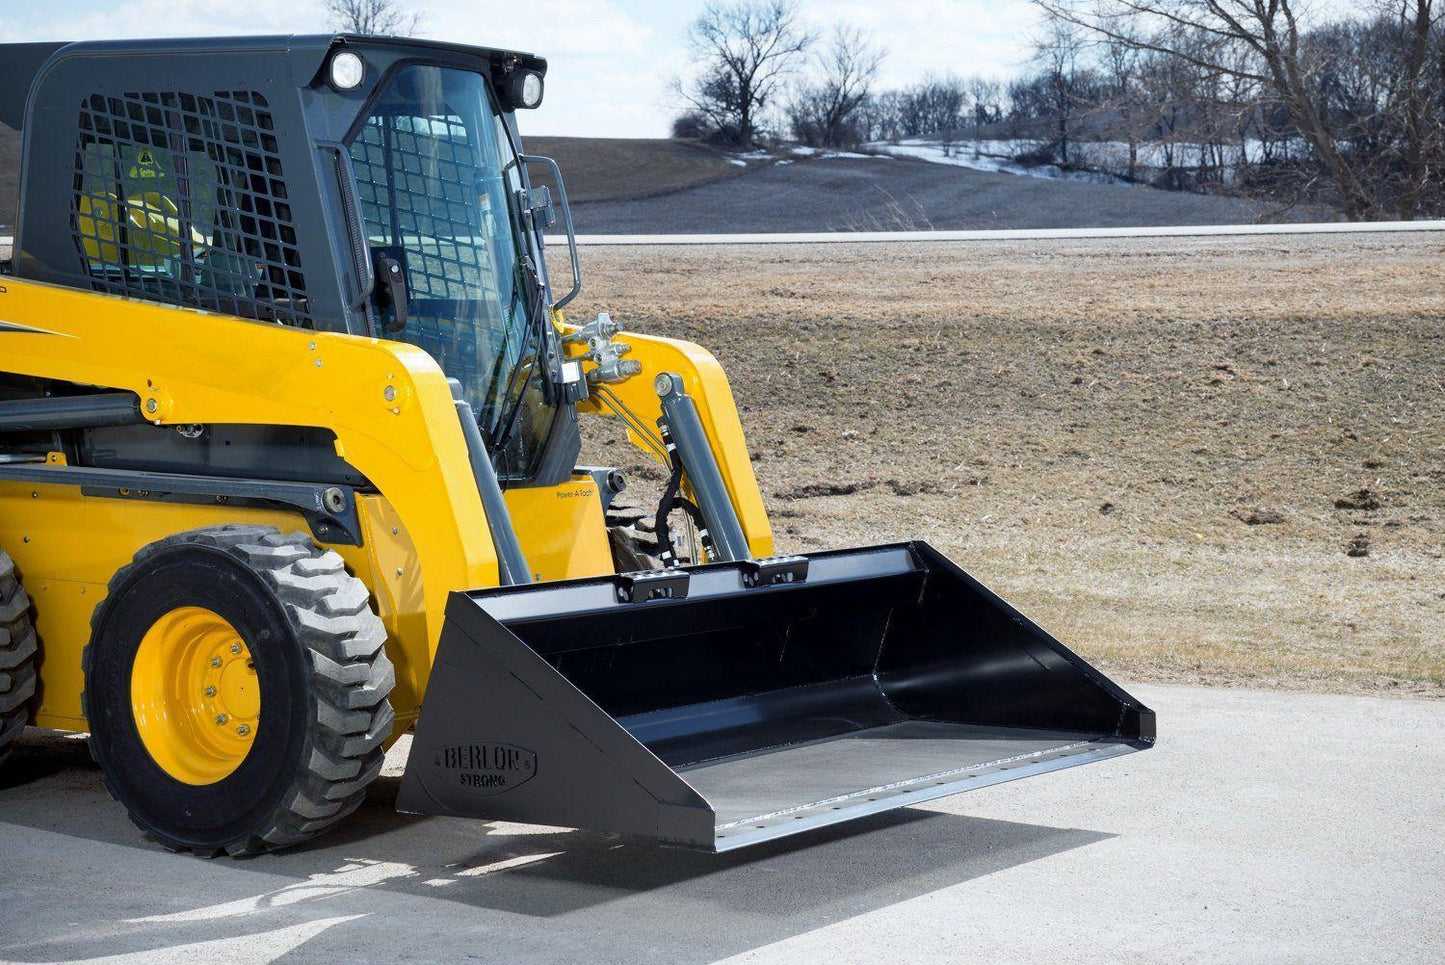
column 708, row 386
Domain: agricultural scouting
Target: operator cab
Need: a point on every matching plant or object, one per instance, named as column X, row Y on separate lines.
column 373, row 186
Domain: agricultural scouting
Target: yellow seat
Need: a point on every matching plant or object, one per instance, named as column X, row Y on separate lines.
column 153, row 226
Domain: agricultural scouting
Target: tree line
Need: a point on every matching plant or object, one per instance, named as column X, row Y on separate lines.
column 1248, row 97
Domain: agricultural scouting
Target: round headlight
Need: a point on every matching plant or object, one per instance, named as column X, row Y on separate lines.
column 347, row 71
column 531, row 89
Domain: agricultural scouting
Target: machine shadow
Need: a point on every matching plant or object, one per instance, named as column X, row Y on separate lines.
column 576, row 880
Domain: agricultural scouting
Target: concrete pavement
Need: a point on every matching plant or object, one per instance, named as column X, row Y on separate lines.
column 1264, row 827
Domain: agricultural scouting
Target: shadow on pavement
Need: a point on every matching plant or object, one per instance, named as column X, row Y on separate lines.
column 553, row 888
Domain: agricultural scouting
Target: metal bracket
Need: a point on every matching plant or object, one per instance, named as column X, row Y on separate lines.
column 609, row 482
column 646, row 586
column 775, row 571
column 329, row 510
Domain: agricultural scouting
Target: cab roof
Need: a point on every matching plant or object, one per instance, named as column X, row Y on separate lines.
column 20, row 64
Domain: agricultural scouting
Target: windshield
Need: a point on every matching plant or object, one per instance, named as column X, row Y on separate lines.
column 436, row 175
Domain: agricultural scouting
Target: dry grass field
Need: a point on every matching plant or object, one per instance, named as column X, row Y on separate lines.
column 1213, row 460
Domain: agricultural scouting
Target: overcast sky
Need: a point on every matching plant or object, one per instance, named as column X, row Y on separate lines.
column 610, row 60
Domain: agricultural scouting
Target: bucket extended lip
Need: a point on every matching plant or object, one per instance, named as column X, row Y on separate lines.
column 726, row 712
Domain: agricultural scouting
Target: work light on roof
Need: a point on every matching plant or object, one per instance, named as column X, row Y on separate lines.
column 523, row 89
column 531, row 89
column 347, row 70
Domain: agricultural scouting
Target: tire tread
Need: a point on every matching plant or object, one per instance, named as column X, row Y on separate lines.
column 18, row 654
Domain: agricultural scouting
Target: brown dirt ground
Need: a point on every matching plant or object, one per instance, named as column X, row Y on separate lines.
column 1164, row 451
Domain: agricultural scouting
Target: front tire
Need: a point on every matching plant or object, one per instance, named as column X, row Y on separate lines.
column 17, row 656
column 236, row 685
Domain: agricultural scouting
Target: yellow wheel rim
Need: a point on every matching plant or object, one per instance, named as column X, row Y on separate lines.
column 194, row 696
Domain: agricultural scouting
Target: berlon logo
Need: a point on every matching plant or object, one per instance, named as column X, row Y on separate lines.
column 486, row 768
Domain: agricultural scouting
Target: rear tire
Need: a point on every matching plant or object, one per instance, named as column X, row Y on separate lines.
column 18, row 648
column 315, row 654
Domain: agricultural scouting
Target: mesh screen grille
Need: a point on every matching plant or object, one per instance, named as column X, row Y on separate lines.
column 180, row 198
column 416, row 177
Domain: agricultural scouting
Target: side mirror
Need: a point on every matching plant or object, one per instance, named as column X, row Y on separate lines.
column 390, row 287
column 566, row 222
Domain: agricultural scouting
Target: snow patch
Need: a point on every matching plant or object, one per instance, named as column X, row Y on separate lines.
column 993, row 157
column 826, row 155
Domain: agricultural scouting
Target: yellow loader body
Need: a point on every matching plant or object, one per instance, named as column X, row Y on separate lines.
column 425, row 534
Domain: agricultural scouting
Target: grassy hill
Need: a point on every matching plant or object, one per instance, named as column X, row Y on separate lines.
column 853, row 193
column 629, row 169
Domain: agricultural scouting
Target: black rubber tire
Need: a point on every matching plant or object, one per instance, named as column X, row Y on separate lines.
column 324, row 676
column 17, row 656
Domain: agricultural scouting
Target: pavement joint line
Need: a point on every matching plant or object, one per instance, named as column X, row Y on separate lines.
column 994, row 234
column 1009, row 234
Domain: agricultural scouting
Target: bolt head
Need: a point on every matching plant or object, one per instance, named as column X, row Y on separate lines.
column 152, row 405
column 662, row 384
column 210, row 691
column 390, row 393
column 235, row 648
column 215, row 661
column 243, row 730
column 221, row 718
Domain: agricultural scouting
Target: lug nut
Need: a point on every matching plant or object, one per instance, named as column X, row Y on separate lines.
column 210, row 691
column 221, row 718
column 215, row 661
column 243, row 730
column 235, row 648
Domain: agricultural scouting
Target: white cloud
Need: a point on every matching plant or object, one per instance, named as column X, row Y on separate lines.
column 963, row 37
column 603, row 67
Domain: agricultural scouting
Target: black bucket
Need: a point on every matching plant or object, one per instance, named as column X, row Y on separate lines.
column 730, row 704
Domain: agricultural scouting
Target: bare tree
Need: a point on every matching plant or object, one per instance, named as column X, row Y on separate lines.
column 825, row 112
column 989, row 102
column 937, row 105
column 1124, row 96
column 747, row 50
column 1265, row 42
column 1058, row 54
column 385, row 18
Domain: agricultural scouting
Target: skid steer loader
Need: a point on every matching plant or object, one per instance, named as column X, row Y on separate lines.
column 289, row 433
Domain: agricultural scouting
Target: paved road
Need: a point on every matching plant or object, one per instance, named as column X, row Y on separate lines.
column 1265, row 827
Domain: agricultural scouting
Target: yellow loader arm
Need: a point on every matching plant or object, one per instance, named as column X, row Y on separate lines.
column 708, row 386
